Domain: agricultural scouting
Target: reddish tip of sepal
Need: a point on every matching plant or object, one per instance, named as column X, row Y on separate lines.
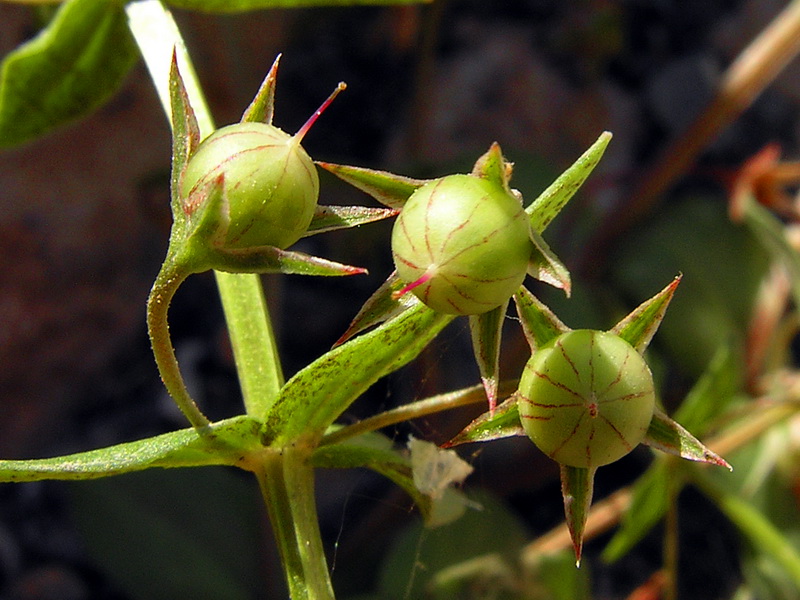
column 411, row 286
column 312, row 119
column 490, row 386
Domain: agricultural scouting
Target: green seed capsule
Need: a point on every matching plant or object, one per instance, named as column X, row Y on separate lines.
column 462, row 244
column 586, row 399
column 271, row 184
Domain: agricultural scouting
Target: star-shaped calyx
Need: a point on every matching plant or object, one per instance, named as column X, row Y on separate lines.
column 239, row 198
column 586, row 398
column 463, row 244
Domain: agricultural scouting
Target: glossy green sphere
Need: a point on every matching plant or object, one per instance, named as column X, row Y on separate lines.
column 586, row 399
column 464, row 243
column 271, row 184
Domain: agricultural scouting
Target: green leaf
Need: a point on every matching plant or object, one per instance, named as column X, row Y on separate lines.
column 649, row 504
column 486, row 329
column 230, row 6
column 577, row 488
column 387, row 188
column 639, row 327
column 539, row 323
column 225, row 444
column 331, row 218
column 262, row 108
column 713, row 392
column 668, row 436
column 312, row 400
column 501, row 423
column 72, row 67
column 550, row 202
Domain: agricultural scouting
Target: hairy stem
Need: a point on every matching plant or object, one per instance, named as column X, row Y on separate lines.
column 287, row 484
column 415, row 410
column 167, row 283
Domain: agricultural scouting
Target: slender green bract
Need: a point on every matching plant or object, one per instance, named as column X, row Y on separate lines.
column 462, row 244
column 271, row 184
column 587, row 398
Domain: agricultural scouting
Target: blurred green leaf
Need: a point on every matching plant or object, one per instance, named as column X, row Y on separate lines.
column 722, row 265
column 754, row 525
column 553, row 576
column 73, row 66
column 649, row 503
column 183, row 534
column 419, row 555
column 713, row 392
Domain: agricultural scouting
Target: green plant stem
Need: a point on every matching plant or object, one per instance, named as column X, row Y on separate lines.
column 415, row 410
column 287, row 484
column 252, row 339
column 167, row 283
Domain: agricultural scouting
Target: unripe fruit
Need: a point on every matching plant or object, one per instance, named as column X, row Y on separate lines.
column 586, row 399
column 270, row 183
column 462, row 244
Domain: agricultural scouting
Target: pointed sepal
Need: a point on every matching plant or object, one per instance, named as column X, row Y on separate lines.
column 269, row 259
column 331, row 218
column 501, row 423
column 554, row 198
column 669, row 436
column 385, row 303
column 577, row 488
column 493, row 167
column 262, row 108
column 185, row 132
column 545, row 266
column 387, row 188
column 539, row 323
column 486, row 330
column 639, row 327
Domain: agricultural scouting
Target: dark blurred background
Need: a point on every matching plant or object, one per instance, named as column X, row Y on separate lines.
column 85, row 219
